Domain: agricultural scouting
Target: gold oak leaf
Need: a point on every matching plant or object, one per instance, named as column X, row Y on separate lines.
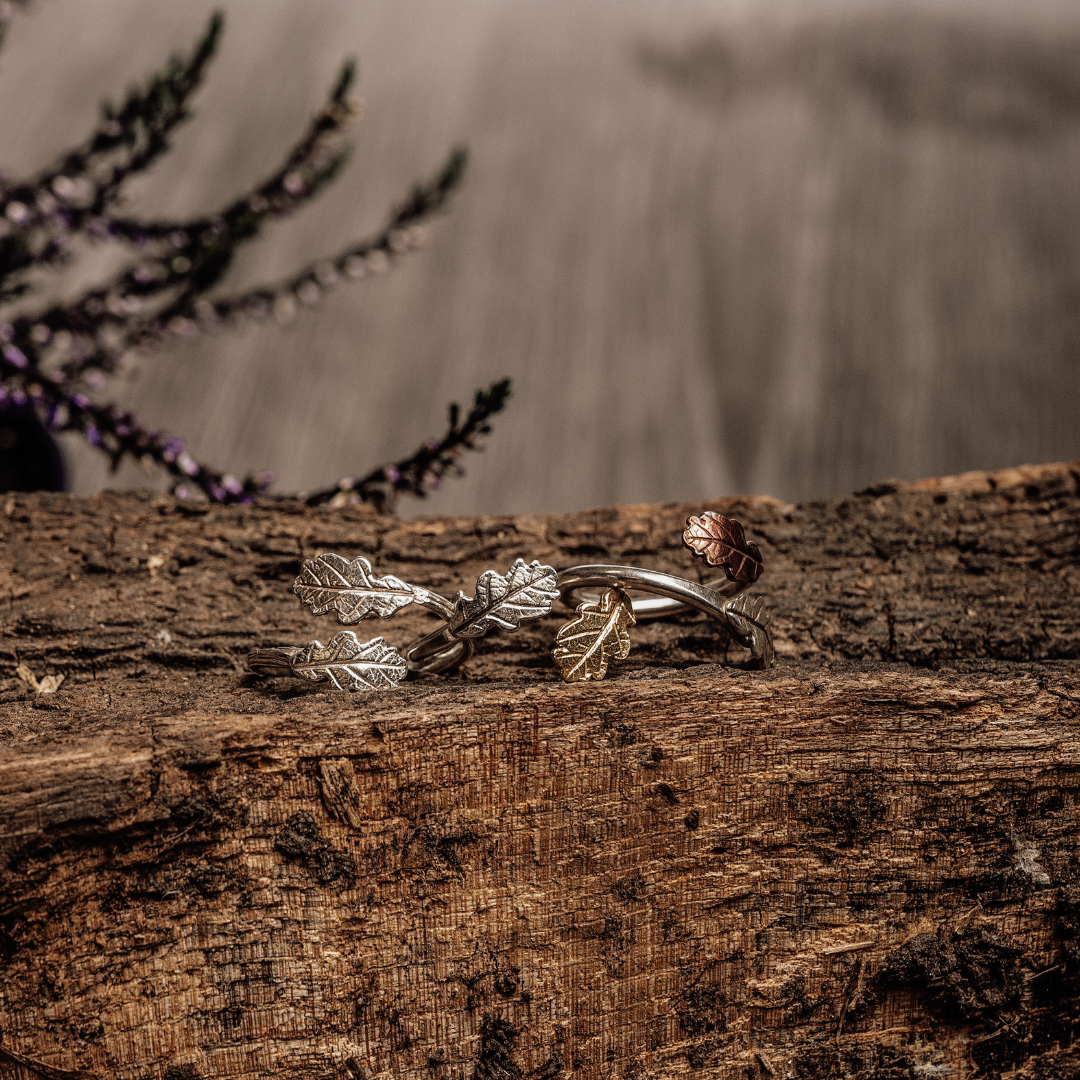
column 720, row 541
column 584, row 647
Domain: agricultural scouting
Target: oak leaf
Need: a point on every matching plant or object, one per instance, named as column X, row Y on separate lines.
column 750, row 626
column 332, row 583
column 720, row 541
column 599, row 634
column 350, row 664
column 526, row 592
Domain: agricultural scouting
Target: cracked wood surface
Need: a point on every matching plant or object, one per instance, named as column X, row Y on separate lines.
column 862, row 862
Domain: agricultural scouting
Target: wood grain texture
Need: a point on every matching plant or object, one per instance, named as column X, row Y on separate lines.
column 778, row 247
column 862, row 862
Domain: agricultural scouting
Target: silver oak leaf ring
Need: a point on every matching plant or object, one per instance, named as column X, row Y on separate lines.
column 348, row 664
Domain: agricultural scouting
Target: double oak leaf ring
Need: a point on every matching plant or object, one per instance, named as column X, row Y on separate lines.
column 584, row 648
column 353, row 592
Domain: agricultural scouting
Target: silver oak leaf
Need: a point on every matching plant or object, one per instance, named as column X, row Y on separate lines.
column 350, row 664
column 332, row 583
column 747, row 618
column 526, row 592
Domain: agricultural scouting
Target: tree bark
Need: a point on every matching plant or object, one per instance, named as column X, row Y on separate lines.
column 859, row 863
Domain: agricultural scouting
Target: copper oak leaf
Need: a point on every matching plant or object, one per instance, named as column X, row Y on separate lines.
column 599, row 634
column 720, row 541
column 526, row 592
column 350, row 664
column 750, row 626
column 331, row 583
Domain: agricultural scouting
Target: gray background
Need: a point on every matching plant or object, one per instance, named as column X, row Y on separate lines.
column 787, row 248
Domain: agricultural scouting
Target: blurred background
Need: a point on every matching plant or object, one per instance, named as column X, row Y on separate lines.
column 788, row 248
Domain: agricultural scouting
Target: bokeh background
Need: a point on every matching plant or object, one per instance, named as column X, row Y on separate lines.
column 733, row 246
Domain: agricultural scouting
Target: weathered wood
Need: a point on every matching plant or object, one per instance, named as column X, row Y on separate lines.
column 862, row 862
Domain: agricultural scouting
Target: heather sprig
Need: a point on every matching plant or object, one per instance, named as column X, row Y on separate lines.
column 74, row 194
column 424, row 470
column 52, row 359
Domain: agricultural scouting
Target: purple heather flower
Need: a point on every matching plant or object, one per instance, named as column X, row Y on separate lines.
column 174, row 447
column 95, row 380
column 181, row 492
column 93, row 436
column 52, row 414
column 232, row 485
column 183, row 327
column 392, row 474
column 434, row 445
column 187, row 464
column 217, row 492
column 7, row 331
column 65, row 187
column 122, row 429
column 17, row 212
column 18, row 398
column 293, row 184
column 80, row 401
column 15, row 356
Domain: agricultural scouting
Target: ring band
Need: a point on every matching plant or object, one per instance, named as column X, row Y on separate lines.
column 277, row 662
column 650, row 607
column 349, row 665
column 674, row 593
column 743, row 615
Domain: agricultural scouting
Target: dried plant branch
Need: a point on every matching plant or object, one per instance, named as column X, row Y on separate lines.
column 403, row 232
column 425, row 469
column 73, row 194
column 53, row 359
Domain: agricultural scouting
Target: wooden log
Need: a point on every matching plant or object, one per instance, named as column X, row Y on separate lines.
column 860, row 863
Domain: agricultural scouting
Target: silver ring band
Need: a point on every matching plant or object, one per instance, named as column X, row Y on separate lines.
column 279, row 662
column 274, row 663
column 674, row 593
column 454, row 655
column 652, row 607
column 426, row 653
